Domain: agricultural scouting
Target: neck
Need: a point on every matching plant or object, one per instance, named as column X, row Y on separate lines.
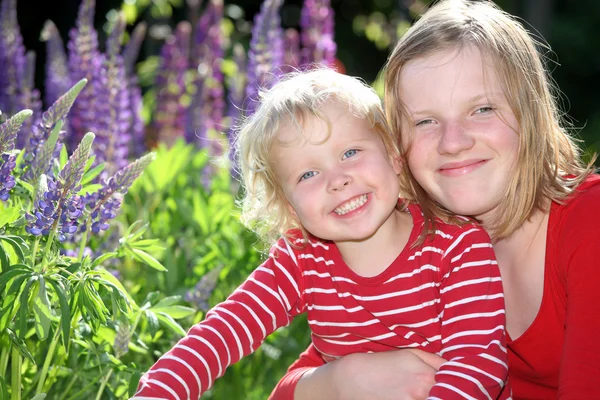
column 371, row 256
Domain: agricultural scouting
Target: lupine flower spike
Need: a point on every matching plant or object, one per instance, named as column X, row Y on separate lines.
column 103, row 205
column 316, row 21
column 130, row 55
column 40, row 163
column 12, row 59
column 266, row 52
column 58, row 208
column 8, row 135
column 57, row 72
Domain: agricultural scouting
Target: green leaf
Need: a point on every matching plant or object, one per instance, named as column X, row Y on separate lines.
column 14, row 270
column 153, row 324
column 25, row 185
column 39, row 396
column 41, row 311
column 65, row 311
column 20, row 345
column 170, row 323
column 63, row 157
column 135, row 231
column 9, row 214
column 90, row 189
column 168, row 301
column 4, row 262
column 17, row 244
column 141, row 255
column 102, row 258
column 176, row 312
column 109, row 279
column 23, row 312
column 92, row 173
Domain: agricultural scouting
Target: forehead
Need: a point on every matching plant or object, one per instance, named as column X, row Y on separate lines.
column 450, row 75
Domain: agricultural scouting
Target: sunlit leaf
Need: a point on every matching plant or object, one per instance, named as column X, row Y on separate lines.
column 41, row 311
column 65, row 311
column 141, row 255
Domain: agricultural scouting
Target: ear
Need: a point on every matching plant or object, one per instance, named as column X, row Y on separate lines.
column 396, row 164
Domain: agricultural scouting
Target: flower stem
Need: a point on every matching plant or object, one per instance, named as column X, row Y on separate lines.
column 103, row 384
column 48, row 247
column 35, row 249
column 4, row 360
column 16, row 374
column 82, row 245
column 47, row 361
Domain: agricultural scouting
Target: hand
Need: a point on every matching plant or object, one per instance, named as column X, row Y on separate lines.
column 397, row 375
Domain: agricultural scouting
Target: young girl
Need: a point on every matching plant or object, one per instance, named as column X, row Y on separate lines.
column 320, row 169
column 482, row 135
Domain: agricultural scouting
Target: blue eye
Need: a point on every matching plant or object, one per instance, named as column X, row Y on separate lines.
column 350, row 153
column 307, row 175
column 424, row 122
column 483, row 110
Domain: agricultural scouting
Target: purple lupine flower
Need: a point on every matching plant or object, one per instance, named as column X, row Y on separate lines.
column 8, row 135
column 130, row 55
column 316, row 21
column 12, row 59
column 71, row 174
column 40, row 164
column 57, row 72
column 201, row 292
column 104, row 204
column 205, row 113
column 55, row 210
column 29, row 99
column 291, row 55
column 169, row 116
column 113, row 117
column 84, row 60
column 266, row 52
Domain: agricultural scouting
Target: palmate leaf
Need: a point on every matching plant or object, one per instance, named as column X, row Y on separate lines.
column 23, row 313
column 170, row 323
column 41, row 310
column 4, row 262
column 20, row 345
column 146, row 258
column 18, row 244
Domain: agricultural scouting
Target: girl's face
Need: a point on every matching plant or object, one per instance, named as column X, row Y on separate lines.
column 464, row 144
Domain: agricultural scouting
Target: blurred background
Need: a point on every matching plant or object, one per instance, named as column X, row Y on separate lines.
column 364, row 32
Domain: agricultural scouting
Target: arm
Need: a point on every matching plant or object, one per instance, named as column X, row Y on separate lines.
column 579, row 249
column 267, row 300
column 473, row 322
column 390, row 375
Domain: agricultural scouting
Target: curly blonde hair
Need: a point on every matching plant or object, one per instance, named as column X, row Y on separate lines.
column 295, row 98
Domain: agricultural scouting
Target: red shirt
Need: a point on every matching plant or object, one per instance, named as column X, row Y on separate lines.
column 444, row 297
column 558, row 356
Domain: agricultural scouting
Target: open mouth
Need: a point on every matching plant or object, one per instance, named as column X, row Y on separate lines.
column 351, row 205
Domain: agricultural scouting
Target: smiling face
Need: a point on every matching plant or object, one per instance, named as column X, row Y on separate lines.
column 464, row 143
column 343, row 187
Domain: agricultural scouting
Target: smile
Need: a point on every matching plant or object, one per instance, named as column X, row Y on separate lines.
column 461, row 168
column 351, row 205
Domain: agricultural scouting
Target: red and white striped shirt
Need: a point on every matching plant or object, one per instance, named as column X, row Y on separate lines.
column 444, row 296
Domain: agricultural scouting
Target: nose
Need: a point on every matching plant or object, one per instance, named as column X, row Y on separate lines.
column 455, row 138
column 338, row 180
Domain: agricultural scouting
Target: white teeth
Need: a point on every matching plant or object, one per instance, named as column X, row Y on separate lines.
column 351, row 205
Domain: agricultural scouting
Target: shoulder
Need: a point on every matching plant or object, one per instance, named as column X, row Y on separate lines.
column 581, row 207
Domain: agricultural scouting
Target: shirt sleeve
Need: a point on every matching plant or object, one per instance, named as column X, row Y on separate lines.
column 473, row 321
column 267, row 300
column 310, row 359
column 578, row 246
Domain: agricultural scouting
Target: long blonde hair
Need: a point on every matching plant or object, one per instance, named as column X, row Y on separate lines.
column 549, row 166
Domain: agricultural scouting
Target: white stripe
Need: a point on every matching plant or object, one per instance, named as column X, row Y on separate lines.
column 468, row 346
column 262, row 268
column 243, row 325
column 473, row 333
column 423, row 250
column 184, row 363
column 473, row 299
column 470, row 282
column 443, row 234
column 257, row 299
column 455, row 390
column 472, row 368
column 366, row 340
column 417, row 324
column 334, row 308
column 473, row 315
column 234, row 334
column 486, row 245
column 345, row 324
column 468, row 378
column 458, row 240
column 406, row 309
column 174, row 375
column 211, row 347
column 288, row 276
column 494, row 359
column 225, row 345
column 471, row 264
column 202, row 360
column 162, row 385
column 291, row 252
column 307, row 256
column 258, row 321
column 413, row 273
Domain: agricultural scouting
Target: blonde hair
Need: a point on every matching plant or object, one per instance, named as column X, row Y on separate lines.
column 549, row 166
column 295, row 98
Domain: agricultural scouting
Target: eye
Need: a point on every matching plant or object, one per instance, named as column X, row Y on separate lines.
column 424, row 122
column 307, row 175
column 349, row 153
column 484, row 110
